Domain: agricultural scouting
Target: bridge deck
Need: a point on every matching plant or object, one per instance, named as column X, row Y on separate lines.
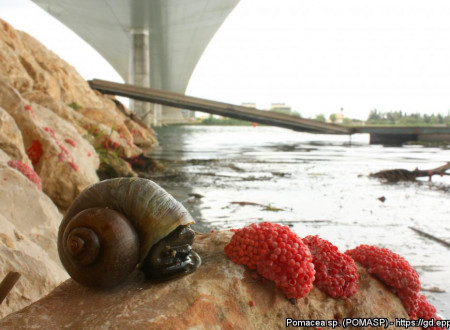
column 399, row 130
column 216, row 108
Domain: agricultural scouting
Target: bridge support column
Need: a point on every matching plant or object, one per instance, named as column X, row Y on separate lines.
column 140, row 76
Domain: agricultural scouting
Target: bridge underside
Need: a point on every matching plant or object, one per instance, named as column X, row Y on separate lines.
column 152, row 43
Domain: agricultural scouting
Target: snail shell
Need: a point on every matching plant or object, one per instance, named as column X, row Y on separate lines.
column 111, row 227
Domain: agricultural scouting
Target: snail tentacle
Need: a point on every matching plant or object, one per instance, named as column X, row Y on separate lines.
column 172, row 256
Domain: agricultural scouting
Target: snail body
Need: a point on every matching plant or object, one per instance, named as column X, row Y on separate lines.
column 117, row 225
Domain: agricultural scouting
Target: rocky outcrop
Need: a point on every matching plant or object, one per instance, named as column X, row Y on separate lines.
column 58, row 152
column 219, row 295
column 54, row 132
column 29, row 222
column 29, row 67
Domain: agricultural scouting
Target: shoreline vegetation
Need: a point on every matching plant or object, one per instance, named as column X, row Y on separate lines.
column 375, row 118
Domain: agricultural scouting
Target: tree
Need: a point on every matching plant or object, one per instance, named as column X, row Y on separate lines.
column 320, row 117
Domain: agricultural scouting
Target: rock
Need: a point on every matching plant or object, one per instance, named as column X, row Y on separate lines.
column 38, row 278
column 28, row 208
column 58, row 152
column 114, row 167
column 219, row 295
column 28, row 228
column 59, row 108
column 4, row 158
column 29, row 67
column 104, row 137
column 109, row 117
column 99, row 133
column 142, row 137
column 11, row 140
column 10, row 64
column 145, row 164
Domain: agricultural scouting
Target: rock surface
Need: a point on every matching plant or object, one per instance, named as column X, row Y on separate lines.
column 97, row 134
column 63, row 164
column 30, row 67
column 219, row 295
column 28, row 228
column 11, row 140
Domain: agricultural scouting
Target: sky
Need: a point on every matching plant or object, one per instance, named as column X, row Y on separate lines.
column 317, row 56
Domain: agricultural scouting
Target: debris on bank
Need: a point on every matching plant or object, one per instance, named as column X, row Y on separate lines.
column 397, row 175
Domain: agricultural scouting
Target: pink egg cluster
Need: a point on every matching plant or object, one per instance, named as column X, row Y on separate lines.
column 397, row 273
column 277, row 254
column 27, row 171
column 336, row 272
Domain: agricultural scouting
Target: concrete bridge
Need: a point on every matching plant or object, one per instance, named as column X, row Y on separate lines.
column 393, row 135
column 151, row 43
column 217, row 108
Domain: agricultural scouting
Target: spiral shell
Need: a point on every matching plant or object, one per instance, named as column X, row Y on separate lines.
column 151, row 210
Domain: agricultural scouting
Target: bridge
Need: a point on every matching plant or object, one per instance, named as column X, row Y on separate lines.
column 378, row 134
column 396, row 135
column 151, row 43
column 217, row 108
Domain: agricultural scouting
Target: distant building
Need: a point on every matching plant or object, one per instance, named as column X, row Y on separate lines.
column 280, row 107
column 249, row 105
column 337, row 118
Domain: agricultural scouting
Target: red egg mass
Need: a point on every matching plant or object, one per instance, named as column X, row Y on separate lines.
column 388, row 266
column 426, row 311
column 34, row 152
column 27, row 171
column 336, row 272
column 277, row 254
column 393, row 270
column 71, row 142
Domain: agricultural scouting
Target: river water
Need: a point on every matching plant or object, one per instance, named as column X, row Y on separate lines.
column 316, row 184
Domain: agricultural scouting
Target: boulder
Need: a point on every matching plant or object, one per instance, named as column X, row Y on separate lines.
column 64, row 160
column 98, row 134
column 30, row 210
column 219, row 295
column 114, row 167
column 59, row 108
column 28, row 229
column 11, row 140
column 142, row 136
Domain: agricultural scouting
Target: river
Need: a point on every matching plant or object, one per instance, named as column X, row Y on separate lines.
column 316, row 184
